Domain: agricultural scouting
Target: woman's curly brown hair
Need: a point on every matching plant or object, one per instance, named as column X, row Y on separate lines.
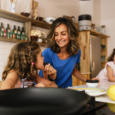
column 20, row 60
column 73, row 45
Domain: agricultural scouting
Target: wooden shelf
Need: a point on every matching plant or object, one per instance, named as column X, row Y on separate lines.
column 28, row 22
column 13, row 16
column 40, row 24
column 98, row 34
column 10, row 40
column 19, row 18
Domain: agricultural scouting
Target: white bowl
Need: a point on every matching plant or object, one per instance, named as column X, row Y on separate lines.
column 49, row 20
column 91, row 85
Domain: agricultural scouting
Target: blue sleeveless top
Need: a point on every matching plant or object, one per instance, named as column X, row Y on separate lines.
column 64, row 68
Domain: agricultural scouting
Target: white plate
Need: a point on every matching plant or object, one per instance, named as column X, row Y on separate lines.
column 95, row 92
column 91, row 91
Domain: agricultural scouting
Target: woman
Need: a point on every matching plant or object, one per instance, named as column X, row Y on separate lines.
column 63, row 52
column 24, row 61
column 106, row 76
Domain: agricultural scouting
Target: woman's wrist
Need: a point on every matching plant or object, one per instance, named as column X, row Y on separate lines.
column 53, row 76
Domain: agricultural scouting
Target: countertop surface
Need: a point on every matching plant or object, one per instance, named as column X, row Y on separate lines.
column 99, row 94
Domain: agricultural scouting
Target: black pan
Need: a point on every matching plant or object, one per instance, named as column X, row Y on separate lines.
column 42, row 101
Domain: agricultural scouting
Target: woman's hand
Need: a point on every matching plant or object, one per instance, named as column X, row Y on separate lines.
column 46, row 83
column 50, row 71
column 40, row 85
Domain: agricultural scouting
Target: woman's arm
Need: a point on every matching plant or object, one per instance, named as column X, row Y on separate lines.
column 42, row 82
column 10, row 80
column 95, row 78
column 110, row 74
column 77, row 74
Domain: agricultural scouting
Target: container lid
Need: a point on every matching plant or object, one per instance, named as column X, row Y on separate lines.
column 84, row 17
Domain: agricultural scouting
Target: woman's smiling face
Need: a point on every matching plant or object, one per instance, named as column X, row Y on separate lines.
column 61, row 36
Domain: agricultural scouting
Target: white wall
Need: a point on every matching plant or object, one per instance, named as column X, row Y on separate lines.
column 6, row 46
column 19, row 5
column 46, row 8
column 57, row 8
column 86, row 7
column 4, row 52
column 96, row 12
column 91, row 7
column 108, row 19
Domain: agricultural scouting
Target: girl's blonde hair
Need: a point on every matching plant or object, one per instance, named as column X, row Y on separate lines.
column 21, row 59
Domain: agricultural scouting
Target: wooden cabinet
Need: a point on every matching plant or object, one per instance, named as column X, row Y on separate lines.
column 28, row 23
column 103, row 51
column 76, row 81
column 84, row 37
column 85, row 60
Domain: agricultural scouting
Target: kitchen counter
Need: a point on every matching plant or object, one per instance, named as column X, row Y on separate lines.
column 98, row 93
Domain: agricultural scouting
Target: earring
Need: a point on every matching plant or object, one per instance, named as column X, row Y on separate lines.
column 33, row 63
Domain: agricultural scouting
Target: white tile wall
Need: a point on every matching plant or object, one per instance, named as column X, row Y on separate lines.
column 20, row 5
column 6, row 46
column 4, row 52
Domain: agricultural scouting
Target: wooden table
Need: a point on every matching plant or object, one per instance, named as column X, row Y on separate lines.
column 100, row 98
column 96, row 103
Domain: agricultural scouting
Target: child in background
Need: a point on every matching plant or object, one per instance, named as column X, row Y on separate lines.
column 106, row 76
column 24, row 61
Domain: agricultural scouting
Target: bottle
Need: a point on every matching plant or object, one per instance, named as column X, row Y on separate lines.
column 23, row 35
column 2, row 30
column 18, row 33
column 8, row 31
column 103, row 28
column 14, row 32
column 5, row 33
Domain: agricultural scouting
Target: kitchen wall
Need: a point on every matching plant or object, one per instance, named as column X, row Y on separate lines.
column 58, row 8
column 91, row 7
column 46, row 8
column 4, row 52
column 6, row 46
column 108, row 19
column 96, row 12
column 19, row 5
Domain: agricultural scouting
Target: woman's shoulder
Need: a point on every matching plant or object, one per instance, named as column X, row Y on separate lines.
column 78, row 53
column 47, row 51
